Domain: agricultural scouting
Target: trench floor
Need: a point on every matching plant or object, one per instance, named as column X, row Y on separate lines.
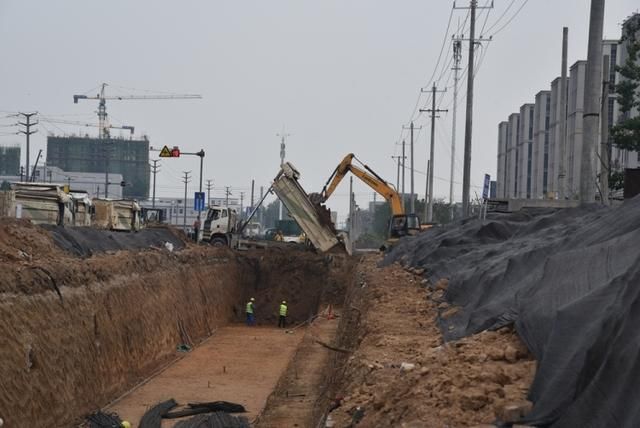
column 295, row 402
column 238, row 364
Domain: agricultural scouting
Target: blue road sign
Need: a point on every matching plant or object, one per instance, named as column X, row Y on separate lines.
column 198, row 201
column 485, row 187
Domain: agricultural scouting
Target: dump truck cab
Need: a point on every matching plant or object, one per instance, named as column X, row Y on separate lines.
column 218, row 226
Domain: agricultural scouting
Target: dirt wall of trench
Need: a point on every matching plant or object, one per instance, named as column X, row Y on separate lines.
column 77, row 333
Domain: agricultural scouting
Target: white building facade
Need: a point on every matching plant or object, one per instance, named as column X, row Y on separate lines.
column 529, row 143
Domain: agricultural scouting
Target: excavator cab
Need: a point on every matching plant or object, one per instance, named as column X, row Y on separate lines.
column 404, row 225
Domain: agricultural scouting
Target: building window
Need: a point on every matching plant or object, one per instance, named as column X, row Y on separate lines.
column 612, row 68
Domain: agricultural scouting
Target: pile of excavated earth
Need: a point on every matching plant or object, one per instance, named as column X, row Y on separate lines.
column 526, row 318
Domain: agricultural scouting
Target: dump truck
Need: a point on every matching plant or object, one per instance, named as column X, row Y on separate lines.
column 316, row 225
column 219, row 226
column 42, row 203
column 118, row 214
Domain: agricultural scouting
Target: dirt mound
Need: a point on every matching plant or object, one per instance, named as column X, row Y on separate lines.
column 400, row 373
column 22, row 241
column 567, row 279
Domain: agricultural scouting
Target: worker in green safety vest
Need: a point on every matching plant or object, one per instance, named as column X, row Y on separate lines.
column 283, row 315
column 251, row 319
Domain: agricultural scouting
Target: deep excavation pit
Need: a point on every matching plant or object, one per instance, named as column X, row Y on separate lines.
column 79, row 332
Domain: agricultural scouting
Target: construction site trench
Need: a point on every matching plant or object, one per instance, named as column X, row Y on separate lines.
column 524, row 318
column 89, row 316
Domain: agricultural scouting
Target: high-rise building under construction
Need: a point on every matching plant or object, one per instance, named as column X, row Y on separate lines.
column 120, row 156
column 9, row 160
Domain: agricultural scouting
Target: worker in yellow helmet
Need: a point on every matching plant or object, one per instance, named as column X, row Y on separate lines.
column 125, row 424
column 282, row 321
column 251, row 320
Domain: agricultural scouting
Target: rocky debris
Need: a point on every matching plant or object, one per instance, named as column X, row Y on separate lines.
column 511, row 413
column 459, row 383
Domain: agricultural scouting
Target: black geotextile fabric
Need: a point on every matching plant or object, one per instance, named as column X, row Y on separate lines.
column 85, row 241
column 101, row 419
column 198, row 408
column 214, row 420
column 153, row 417
column 570, row 282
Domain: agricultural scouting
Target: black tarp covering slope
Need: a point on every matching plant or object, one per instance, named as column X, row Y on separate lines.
column 570, row 282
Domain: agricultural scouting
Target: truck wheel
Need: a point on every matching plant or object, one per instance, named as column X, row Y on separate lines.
column 219, row 242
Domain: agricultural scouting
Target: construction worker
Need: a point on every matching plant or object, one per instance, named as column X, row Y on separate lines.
column 125, row 424
column 251, row 320
column 279, row 236
column 196, row 229
column 282, row 321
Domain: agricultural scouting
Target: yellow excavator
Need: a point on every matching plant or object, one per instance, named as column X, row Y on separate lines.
column 400, row 224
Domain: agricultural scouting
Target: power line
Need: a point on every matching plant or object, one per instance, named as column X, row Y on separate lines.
column 501, row 16
column 510, row 19
column 435, row 69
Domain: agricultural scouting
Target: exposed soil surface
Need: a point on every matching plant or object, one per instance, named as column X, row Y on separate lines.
column 390, row 319
column 80, row 331
column 296, row 400
column 238, row 364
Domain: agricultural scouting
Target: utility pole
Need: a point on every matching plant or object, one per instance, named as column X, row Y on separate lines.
column 351, row 211
column 434, row 114
column 426, row 189
column 403, row 170
column 241, row 205
column 398, row 178
column 227, row 193
column 457, row 57
column 604, row 134
column 283, row 138
column 107, row 154
column 466, row 177
column 209, row 187
column 260, row 212
column 412, row 200
column 27, row 132
column 593, row 82
column 154, row 169
column 253, row 184
column 373, row 210
column 186, row 180
column 562, row 170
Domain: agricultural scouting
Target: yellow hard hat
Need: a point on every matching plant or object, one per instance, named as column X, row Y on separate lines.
column 125, row 424
column 284, row 302
column 253, row 300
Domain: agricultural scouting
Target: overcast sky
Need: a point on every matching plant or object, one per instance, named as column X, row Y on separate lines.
column 340, row 76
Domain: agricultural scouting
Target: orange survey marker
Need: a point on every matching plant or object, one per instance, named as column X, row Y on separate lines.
column 330, row 313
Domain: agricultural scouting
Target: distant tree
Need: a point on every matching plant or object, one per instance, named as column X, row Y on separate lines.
column 626, row 133
column 271, row 214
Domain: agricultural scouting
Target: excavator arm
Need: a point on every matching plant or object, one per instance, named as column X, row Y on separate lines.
column 368, row 176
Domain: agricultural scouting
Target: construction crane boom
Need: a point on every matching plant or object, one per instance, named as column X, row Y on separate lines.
column 136, row 97
column 129, row 128
column 102, row 105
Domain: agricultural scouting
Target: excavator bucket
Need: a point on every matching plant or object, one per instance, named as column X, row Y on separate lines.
column 314, row 223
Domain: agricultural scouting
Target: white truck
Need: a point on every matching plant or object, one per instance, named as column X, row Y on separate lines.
column 219, row 226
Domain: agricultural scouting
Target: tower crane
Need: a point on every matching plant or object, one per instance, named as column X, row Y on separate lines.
column 131, row 129
column 102, row 105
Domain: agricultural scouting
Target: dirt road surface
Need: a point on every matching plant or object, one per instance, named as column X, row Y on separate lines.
column 238, row 364
column 294, row 403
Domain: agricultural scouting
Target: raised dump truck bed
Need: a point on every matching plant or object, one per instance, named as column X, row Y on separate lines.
column 318, row 231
